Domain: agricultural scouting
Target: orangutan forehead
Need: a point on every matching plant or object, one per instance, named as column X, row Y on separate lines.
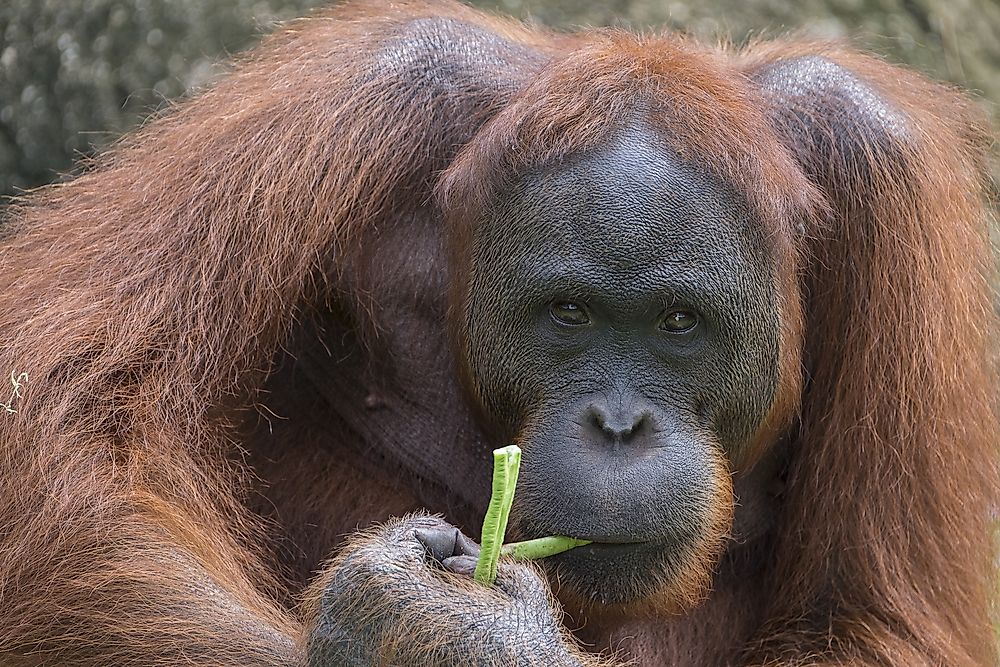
column 635, row 205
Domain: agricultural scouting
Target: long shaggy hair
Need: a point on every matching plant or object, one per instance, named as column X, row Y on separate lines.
column 148, row 298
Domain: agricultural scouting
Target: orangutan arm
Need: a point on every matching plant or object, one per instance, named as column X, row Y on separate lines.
column 138, row 580
column 885, row 555
column 146, row 294
column 107, row 565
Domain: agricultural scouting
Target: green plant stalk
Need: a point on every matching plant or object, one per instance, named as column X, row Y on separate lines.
column 506, row 464
column 541, row 547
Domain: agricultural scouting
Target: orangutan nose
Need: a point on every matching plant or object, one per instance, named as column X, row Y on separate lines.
column 617, row 426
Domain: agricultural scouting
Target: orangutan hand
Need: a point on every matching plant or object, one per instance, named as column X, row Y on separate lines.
column 403, row 595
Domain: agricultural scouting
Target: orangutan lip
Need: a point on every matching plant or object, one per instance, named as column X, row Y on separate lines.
column 617, row 545
column 612, row 541
column 609, row 549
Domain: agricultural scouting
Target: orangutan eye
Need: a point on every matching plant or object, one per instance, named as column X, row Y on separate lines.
column 569, row 313
column 679, row 320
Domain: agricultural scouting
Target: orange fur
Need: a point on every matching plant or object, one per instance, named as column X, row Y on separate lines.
column 150, row 299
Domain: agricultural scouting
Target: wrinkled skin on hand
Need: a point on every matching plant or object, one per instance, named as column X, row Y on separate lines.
column 395, row 595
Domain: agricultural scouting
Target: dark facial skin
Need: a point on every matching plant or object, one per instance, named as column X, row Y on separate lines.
column 623, row 329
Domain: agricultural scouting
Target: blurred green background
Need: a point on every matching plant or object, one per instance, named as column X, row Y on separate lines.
column 75, row 74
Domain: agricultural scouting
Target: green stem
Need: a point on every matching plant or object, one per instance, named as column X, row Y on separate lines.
column 541, row 547
column 506, row 464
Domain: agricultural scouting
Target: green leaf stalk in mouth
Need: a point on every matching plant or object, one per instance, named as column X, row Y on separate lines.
column 506, row 465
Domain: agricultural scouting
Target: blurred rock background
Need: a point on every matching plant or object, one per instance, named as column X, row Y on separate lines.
column 75, row 74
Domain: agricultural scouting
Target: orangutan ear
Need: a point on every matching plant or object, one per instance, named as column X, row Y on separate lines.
column 896, row 448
